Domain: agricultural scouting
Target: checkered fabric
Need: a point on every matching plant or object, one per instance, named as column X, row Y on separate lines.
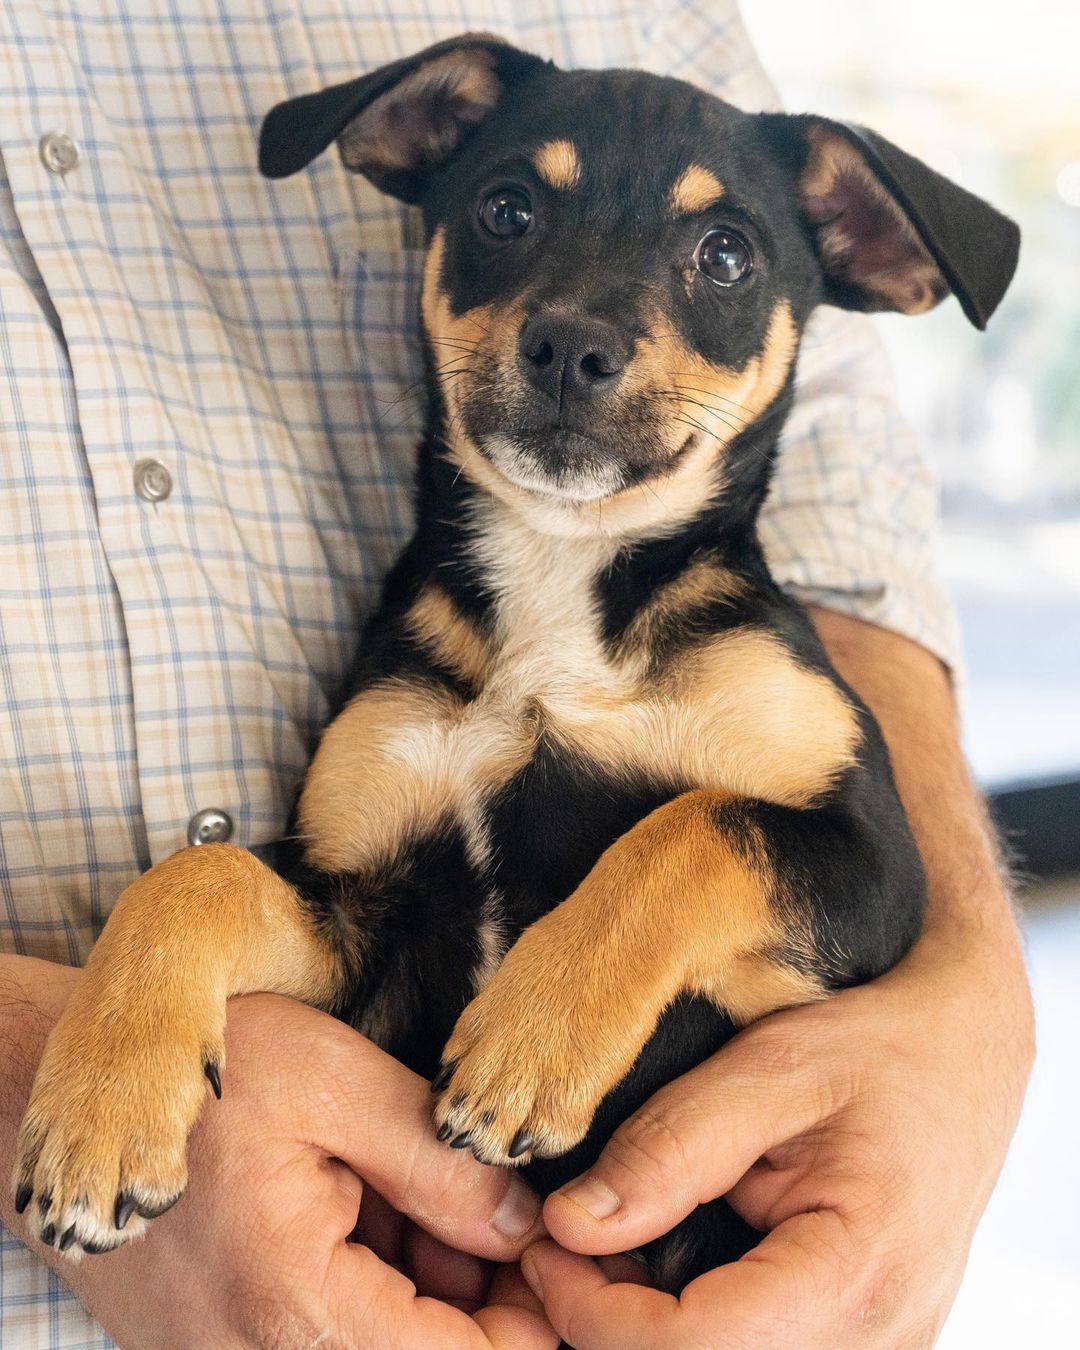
column 158, row 300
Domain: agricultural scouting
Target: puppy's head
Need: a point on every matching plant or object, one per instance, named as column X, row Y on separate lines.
column 620, row 265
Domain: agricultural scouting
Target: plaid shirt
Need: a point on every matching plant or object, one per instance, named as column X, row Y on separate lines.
column 160, row 302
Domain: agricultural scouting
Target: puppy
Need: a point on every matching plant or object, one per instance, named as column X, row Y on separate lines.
column 595, row 797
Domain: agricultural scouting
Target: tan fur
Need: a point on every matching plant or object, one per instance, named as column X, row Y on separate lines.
column 717, row 401
column 738, row 713
column 377, row 778
column 558, row 164
column 400, row 758
column 913, row 289
column 149, row 1011
column 372, row 142
column 670, row 907
column 704, row 582
column 456, row 337
column 759, row 986
column 696, row 189
column 448, row 636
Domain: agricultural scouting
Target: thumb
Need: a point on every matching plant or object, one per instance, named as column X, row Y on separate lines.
column 375, row 1115
column 690, row 1143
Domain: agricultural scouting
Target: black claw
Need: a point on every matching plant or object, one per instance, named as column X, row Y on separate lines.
column 443, row 1076
column 22, row 1197
column 96, row 1248
column 443, row 1133
column 67, row 1237
column 521, row 1143
column 125, row 1208
column 48, row 1233
column 462, row 1140
column 156, row 1211
column 214, row 1075
column 44, row 1203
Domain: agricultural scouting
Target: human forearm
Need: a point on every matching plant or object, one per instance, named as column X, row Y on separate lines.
column 909, row 693
column 970, row 917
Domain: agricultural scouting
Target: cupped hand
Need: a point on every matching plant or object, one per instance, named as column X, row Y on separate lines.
column 862, row 1135
column 257, row 1252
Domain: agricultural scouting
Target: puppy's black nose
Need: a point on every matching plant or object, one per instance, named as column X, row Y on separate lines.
column 567, row 357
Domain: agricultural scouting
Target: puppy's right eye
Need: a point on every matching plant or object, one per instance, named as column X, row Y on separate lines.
column 506, row 213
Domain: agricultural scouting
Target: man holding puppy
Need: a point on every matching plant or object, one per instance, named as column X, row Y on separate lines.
column 206, row 484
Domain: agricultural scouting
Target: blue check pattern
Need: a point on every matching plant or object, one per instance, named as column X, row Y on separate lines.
column 159, row 300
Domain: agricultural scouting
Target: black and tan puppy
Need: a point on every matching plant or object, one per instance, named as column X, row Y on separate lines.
column 595, row 798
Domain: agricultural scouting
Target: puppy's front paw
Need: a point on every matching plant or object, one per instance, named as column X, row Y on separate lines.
column 103, row 1142
column 528, row 1064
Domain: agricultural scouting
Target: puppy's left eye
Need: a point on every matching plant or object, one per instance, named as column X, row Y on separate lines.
column 506, row 213
column 724, row 256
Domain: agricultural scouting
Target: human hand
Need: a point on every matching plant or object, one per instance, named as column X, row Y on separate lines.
column 863, row 1134
column 255, row 1253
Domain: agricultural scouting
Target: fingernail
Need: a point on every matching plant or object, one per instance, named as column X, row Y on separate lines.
column 593, row 1195
column 532, row 1275
column 517, row 1211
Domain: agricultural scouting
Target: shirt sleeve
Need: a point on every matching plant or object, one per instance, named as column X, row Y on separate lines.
column 851, row 520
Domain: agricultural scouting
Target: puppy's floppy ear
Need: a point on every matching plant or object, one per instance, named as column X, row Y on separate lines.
column 397, row 123
column 890, row 232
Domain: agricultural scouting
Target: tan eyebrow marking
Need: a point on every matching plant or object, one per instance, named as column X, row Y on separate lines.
column 694, row 190
column 558, row 165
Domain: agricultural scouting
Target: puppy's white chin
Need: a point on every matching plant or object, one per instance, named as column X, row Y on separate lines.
column 521, row 469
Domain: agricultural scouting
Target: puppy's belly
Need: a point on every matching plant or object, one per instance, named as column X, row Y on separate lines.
column 549, row 825
column 430, row 931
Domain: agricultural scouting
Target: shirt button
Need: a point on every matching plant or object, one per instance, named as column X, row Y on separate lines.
column 153, row 481
column 209, row 827
column 59, row 152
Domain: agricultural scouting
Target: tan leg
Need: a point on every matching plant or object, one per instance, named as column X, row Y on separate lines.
column 672, row 906
column 126, row 1068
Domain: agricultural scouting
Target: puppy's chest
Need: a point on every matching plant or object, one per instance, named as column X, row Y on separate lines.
column 561, row 727
column 732, row 709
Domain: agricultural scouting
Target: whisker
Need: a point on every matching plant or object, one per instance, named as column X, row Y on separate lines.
column 726, row 419
column 687, row 421
column 649, row 487
column 712, row 393
column 708, row 407
column 455, row 344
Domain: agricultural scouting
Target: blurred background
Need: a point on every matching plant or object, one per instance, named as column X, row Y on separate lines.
column 991, row 97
